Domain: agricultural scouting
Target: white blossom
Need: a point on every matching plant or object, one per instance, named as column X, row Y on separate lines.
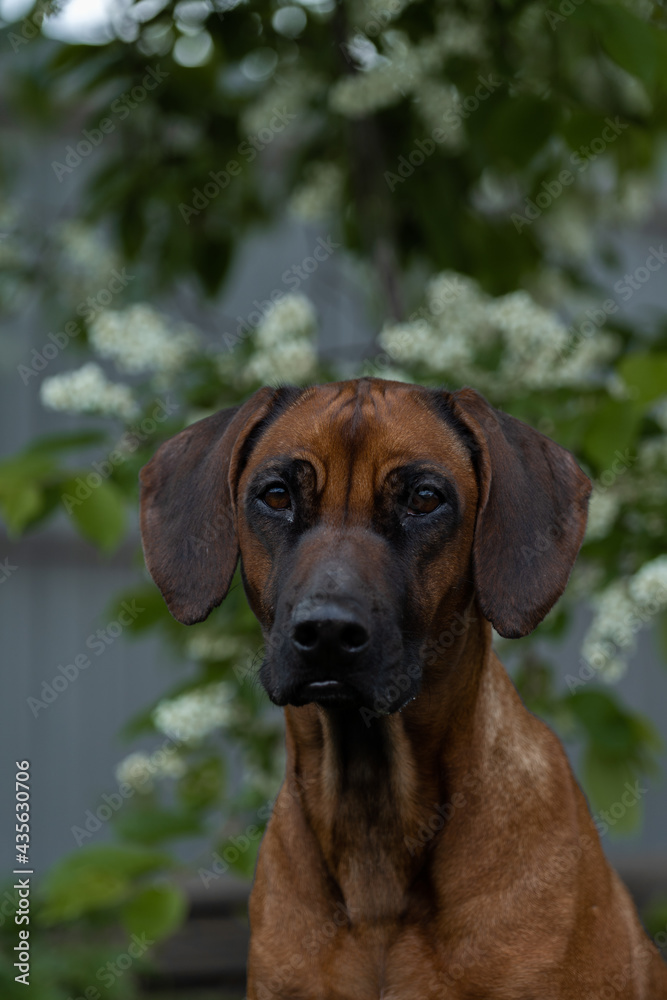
column 373, row 14
column 445, row 339
column 526, row 326
column 615, row 609
column 495, row 193
column 363, row 52
column 457, row 36
column 649, row 585
column 403, row 67
column 616, row 386
column 291, row 360
column 138, row 769
column 290, row 92
column 390, row 374
column 460, row 311
column 192, row 716
column 387, row 81
column 205, row 646
column 320, row 194
column 138, row 339
column 292, row 315
column 568, row 229
column 636, row 197
column 534, row 340
column 283, row 341
column 439, row 106
column 614, row 669
column 87, row 390
column 622, row 609
column 590, row 355
column 603, row 508
column 408, row 342
column 610, row 639
column 652, row 453
column 460, row 322
column 87, row 263
column 361, row 94
column 173, row 766
column 529, row 25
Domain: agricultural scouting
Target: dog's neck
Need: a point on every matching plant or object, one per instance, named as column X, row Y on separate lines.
column 369, row 786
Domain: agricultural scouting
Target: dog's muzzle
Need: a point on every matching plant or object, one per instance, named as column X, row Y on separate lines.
column 329, row 642
column 338, row 653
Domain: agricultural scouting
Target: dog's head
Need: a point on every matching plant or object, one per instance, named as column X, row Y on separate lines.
column 367, row 514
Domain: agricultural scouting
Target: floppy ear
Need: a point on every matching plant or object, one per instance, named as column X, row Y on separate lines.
column 188, row 523
column 531, row 515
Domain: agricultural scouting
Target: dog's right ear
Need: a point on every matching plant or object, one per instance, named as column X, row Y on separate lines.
column 188, row 520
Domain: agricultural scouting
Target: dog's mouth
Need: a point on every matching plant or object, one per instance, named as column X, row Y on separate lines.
column 330, row 691
column 375, row 684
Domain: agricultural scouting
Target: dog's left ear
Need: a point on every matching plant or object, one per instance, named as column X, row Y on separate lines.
column 188, row 521
column 531, row 515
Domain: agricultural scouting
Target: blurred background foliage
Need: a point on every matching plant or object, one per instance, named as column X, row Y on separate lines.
column 469, row 160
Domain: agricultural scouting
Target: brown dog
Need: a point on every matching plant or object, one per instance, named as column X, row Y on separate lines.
column 429, row 840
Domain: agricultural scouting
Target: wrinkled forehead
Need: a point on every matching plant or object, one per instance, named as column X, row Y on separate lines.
column 362, row 430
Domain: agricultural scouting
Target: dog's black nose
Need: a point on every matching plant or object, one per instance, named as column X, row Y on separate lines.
column 331, row 630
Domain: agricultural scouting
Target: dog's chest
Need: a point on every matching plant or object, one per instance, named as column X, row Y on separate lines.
column 332, row 962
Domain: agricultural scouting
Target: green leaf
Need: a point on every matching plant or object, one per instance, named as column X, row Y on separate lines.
column 99, row 512
column 613, row 428
column 27, row 480
column 581, row 126
column 519, row 128
column 645, row 375
column 245, row 861
column 20, row 503
column 614, row 731
column 154, row 609
column 96, row 879
column 156, row 912
column 26, row 465
column 65, row 441
column 611, row 786
column 603, row 720
column 630, row 42
column 202, row 786
column 149, row 825
column 655, row 917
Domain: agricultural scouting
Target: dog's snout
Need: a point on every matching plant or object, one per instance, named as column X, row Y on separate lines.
column 332, row 630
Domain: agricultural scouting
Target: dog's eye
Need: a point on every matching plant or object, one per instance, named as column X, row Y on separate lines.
column 423, row 501
column 276, row 497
